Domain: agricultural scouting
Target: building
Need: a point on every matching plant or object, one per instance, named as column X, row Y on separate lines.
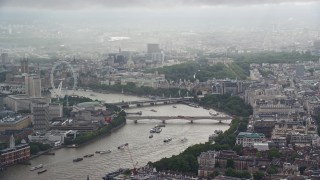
column 33, row 85
column 14, row 123
column 4, row 58
column 316, row 47
column 153, row 48
column 40, row 116
column 206, row 162
column 300, row 70
column 248, row 139
column 55, row 110
column 14, row 154
column 22, row 102
column 24, row 66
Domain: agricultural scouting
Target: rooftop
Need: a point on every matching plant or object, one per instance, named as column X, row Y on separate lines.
column 250, row 135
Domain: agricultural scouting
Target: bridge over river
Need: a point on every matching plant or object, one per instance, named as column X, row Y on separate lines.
column 188, row 118
column 152, row 102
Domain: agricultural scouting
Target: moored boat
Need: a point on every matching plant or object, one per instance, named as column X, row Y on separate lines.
column 174, row 106
column 158, row 130
column 151, row 136
column 153, row 110
column 42, row 171
column 36, row 167
column 77, row 159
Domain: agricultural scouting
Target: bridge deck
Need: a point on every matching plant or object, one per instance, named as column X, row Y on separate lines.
column 217, row 118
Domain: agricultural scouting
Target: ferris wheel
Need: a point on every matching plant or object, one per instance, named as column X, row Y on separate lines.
column 54, row 78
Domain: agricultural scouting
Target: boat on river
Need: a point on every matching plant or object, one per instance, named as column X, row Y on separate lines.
column 105, row 152
column 123, row 146
column 158, row 130
column 167, row 140
column 42, row 171
column 174, row 106
column 36, row 167
column 183, row 140
column 88, row 155
column 153, row 110
column 151, row 136
column 77, row 159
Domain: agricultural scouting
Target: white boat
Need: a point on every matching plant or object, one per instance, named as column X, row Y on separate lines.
column 213, row 113
column 167, row 140
column 158, row 130
column 152, row 130
column 88, row 90
column 36, row 167
column 105, row 152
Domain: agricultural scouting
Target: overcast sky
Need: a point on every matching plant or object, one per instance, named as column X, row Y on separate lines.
column 165, row 13
column 85, row 4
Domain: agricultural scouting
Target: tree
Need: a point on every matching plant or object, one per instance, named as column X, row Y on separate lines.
column 274, row 153
column 217, row 164
column 272, row 170
column 258, row 175
column 230, row 163
column 214, row 174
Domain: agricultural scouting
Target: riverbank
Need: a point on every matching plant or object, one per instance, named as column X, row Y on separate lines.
column 187, row 160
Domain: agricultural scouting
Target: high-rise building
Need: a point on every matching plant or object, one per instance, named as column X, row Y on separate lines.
column 4, row 58
column 316, row 47
column 40, row 112
column 24, row 66
column 33, row 85
column 153, row 48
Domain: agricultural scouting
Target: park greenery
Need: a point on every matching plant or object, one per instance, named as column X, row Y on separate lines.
column 201, row 70
column 72, row 100
column 244, row 60
column 232, row 105
column 117, row 121
column 239, row 69
column 131, row 88
column 36, row 147
column 187, row 160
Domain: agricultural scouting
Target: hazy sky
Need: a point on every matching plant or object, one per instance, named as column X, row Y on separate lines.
column 85, row 4
column 302, row 13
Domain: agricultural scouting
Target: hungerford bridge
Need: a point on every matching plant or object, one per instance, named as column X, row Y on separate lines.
column 188, row 118
column 152, row 102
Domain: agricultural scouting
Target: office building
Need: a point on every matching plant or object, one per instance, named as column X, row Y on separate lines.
column 24, row 66
column 316, row 47
column 4, row 58
column 153, row 48
column 33, row 85
column 40, row 112
column 300, row 70
column 14, row 123
column 248, row 139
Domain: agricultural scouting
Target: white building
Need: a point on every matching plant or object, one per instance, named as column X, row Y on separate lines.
column 247, row 139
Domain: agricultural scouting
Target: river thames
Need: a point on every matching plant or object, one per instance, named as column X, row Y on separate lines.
column 141, row 147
